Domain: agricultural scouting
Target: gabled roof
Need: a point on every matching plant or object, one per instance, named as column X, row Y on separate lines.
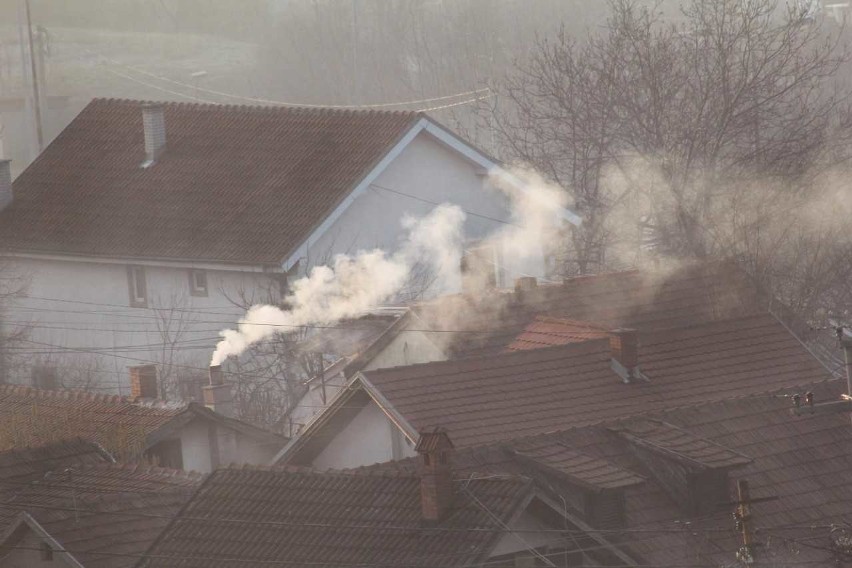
column 104, row 515
column 235, row 184
column 122, row 425
column 318, row 519
column 524, row 393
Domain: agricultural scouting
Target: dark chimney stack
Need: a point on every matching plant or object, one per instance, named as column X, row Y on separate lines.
column 524, row 285
column 624, row 348
column 5, row 183
column 143, row 381
column 154, row 125
column 436, row 474
column 218, row 395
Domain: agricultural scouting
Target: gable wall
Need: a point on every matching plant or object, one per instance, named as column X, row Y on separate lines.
column 428, row 169
column 407, row 348
column 369, row 438
column 27, row 555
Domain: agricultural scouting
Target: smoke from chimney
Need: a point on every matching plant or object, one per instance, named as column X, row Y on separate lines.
column 354, row 284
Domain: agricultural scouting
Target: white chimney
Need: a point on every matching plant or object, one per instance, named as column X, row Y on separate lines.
column 154, row 125
column 5, row 183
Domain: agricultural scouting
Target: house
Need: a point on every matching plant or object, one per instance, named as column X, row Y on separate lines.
column 97, row 515
column 430, row 518
column 533, row 391
column 145, row 228
column 180, row 435
column 663, row 487
column 535, row 315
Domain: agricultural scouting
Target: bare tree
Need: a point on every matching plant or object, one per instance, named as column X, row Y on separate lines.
column 709, row 130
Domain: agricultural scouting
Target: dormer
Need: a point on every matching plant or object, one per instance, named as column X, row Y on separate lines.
column 691, row 469
column 593, row 488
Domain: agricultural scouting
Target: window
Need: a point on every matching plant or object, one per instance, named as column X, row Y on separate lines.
column 198, row 282
column 137, row 286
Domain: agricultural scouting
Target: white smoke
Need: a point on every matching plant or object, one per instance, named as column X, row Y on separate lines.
column 354, row 284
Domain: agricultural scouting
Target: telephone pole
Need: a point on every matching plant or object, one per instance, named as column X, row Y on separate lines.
column 743, row 515
column 33, row 71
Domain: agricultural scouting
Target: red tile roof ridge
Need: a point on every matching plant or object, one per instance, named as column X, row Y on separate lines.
column 316, row 109
column 81, row 395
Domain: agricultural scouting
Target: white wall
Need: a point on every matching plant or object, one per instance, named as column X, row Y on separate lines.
column 527, row 538
column 433, row 173
column 80, row 312
column 365, row 441
column 407, row 348
column 195, row 446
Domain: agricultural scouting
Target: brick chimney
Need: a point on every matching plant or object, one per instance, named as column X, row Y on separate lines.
column 624, row 348
column 218, row 395
column 436, row 474
column 154, row 125
column 143, row 381
column 5, row 183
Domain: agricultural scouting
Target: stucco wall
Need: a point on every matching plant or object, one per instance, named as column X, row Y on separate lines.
column 79, row 314
column 195, row 446
column 365, row 441
column 527, row 538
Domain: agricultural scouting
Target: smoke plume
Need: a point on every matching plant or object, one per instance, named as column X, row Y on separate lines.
column 434, row 245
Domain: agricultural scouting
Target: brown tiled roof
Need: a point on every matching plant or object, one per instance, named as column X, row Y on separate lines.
column 648, row 300
column 26, row 464
column 530, row 392
column 669, row 440
column 122, row 425
column 546, row 331
column 113, row 509
column 235, row 184
column 319, row 519
column 806, row 462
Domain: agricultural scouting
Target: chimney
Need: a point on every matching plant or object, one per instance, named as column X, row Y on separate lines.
column 436, row 474
column 218, row 395
column 5, row 183
column 524, row 285
column 624, row 348
column 154, row 125
column 143, row 381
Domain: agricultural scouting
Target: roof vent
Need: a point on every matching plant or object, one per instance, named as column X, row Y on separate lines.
column 624, row 347
column 524, row 285
column 143, row 381
column 5, row 183
column 154, row 125
column 436, row 474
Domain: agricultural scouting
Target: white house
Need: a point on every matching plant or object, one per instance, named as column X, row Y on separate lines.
column 144, row 229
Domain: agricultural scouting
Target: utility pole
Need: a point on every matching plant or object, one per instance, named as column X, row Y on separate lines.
column 844, row 338
column 33, row 72
column 743, row 515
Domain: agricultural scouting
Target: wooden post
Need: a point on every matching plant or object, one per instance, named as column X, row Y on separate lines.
column 746, row 552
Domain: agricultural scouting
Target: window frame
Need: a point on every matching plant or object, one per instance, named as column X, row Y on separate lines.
column 194, row 289
column 135, row 275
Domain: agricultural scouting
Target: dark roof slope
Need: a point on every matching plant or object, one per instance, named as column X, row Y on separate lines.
column 530, row 392
column 318, row 519
column 25, row 464
column 102, row 513
column 649, row 300
column 235, row 184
